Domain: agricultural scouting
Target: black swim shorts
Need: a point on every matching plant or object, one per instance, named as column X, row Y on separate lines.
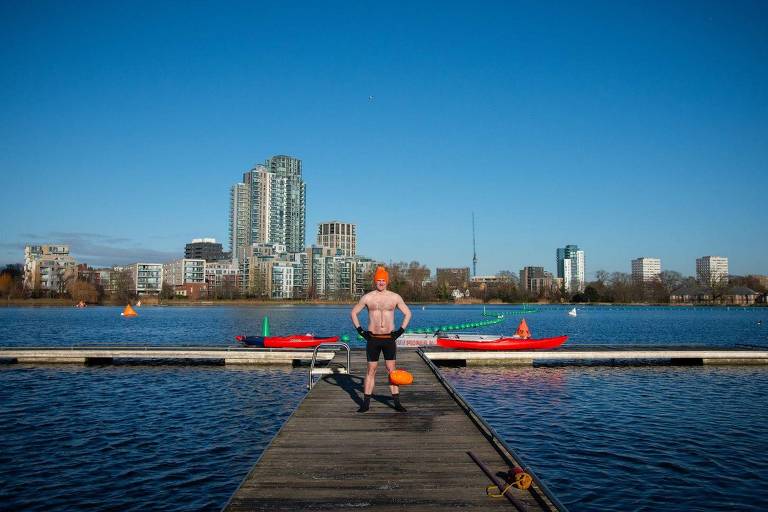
column 375, row 346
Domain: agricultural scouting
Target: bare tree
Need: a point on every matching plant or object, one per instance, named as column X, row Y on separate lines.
column 123, row 286
column 81, row 290
column 6, row 284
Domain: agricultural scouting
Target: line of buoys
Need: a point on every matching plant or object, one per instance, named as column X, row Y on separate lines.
column 511, row 312
column 452, row 327
column 500, row 314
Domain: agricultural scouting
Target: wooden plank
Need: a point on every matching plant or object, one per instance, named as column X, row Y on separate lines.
column 328, row 457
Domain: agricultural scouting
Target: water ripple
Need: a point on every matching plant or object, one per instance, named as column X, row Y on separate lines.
column 136, row 438
column 633, row 438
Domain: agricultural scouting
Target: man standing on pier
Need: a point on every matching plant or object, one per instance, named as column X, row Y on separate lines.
column 381, row 334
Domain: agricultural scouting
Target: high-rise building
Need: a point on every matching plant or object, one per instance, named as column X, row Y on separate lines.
column 204, row 249
column 338, row 235
column 711, row 270
column 290, row 202
column 239, row 220
column 272, row 203
column 570, row 268
column 646, row 269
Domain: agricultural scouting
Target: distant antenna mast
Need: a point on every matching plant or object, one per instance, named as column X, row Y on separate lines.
column 474, row 249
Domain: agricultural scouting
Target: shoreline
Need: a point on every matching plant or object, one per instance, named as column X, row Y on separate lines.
column 152, row 302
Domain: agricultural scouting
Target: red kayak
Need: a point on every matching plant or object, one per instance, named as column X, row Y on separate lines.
column 290, row 341
column 487, row 342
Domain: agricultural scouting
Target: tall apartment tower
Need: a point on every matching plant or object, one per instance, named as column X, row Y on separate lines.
column 570, row 268
column 239, row 220
column 646, row 269
column 269, row 206
column 289, row 209
column 711, row 270
column 338, row 235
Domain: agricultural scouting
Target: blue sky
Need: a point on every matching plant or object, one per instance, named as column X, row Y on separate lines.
column 628, row 128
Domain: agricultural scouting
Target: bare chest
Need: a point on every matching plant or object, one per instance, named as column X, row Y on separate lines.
column 382, row 304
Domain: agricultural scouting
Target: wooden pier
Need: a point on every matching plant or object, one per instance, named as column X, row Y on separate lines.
column 106, row 355
column 606, row 355
column 327, row 456
column 597, row 354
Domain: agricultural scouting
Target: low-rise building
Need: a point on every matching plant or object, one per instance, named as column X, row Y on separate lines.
column 48, row 267
column 536, row 282
column 147, row 277
column 184, row 271
column 740, row 296
column 222, row 278
column 205, row 249
column 691, row 294
column 453, row 278
column 192, row 291
column 489, row 280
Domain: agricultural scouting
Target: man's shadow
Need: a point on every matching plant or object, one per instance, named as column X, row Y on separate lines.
column 353, row 385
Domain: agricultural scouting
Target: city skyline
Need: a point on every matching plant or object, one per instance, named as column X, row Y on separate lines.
column 555, row 125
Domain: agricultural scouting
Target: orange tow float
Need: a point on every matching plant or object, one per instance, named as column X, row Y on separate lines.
column 400, row 378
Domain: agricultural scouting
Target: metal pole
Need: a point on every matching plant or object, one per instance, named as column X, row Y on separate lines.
column 498, row 483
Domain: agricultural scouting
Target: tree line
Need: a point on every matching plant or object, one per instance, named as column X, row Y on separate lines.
column 413, row 282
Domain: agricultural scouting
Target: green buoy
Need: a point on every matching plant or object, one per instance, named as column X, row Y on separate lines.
column 265, row 326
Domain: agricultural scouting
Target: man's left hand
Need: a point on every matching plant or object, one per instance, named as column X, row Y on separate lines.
column 396, row 334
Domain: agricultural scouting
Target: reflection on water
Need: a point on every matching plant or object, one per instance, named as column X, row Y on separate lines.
column 633, row 438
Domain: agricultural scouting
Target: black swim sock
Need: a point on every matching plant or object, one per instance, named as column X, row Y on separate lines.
column 398, row 406
column 366, row 403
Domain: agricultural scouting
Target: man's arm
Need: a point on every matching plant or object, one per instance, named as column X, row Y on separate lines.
column 356, row 310
column 406, row 313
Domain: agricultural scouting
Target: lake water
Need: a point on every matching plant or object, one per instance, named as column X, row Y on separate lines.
column 183, row 437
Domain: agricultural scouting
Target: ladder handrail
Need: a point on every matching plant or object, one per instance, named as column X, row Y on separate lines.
column 334, row 346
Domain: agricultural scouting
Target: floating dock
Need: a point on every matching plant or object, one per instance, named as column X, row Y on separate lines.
column 606, row 355
column 106, row 355
column 596, row 354
column 327, row 456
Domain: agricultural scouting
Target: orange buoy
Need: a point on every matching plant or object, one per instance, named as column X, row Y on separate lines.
column 522, row 330
column 400, row 378
column 129, row 311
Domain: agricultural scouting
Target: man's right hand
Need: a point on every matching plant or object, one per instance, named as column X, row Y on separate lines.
column 365, row 334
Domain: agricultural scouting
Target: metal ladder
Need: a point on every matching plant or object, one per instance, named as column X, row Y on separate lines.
column 330, row 368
